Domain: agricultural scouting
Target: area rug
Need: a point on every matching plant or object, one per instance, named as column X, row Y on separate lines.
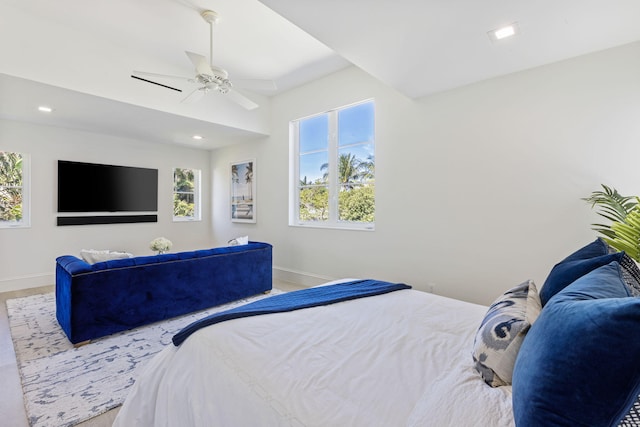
column 64, row 385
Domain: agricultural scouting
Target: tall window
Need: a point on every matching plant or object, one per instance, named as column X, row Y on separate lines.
column 334, row 171
column 186, row 194
column 14, row 189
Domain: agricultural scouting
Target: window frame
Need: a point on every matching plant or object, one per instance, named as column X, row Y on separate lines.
column 25, row 222
column 333, row 159
column 197, row 200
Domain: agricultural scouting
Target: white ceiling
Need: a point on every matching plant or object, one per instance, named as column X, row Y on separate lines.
column 420, row 47
column 77, row 55
column 92, row 47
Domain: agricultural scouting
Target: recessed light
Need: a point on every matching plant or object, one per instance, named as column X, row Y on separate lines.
column 504, row 32
column 196, row 137
column 45, row 109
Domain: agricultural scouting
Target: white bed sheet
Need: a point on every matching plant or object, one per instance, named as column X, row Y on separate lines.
column 398, row 359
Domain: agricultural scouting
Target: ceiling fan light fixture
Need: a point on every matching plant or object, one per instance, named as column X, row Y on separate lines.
column 220, row 73
column 504, row 32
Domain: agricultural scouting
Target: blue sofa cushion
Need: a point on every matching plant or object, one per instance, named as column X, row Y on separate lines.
column 579, row 263
column 578, row 365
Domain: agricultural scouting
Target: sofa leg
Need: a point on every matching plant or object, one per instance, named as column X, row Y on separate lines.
column 81, row 343
column 267, row 292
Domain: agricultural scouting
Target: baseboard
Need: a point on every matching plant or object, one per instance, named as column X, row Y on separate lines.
column 299, row 277
column 26, row 282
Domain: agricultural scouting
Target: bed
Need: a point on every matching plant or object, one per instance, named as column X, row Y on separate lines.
column 401, row 358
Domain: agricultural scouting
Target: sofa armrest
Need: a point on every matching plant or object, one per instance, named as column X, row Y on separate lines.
column 73, row 265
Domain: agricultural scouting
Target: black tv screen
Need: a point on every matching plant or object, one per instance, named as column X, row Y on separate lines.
column 91, row 187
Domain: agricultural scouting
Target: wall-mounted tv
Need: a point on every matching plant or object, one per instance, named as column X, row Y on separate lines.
column 92, row 187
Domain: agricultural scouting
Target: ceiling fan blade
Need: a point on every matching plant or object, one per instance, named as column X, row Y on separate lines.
column 195, row 58
column 240, row 99
column 255, row 84
column 162, row 76
column 194, row 96
column 200, row 63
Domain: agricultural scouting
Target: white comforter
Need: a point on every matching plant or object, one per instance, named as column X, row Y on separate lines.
column 400, row 359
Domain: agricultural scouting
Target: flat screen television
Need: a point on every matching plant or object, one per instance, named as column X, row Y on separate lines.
column 92, row 187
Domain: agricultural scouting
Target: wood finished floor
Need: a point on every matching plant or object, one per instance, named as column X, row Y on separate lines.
column 12, row 413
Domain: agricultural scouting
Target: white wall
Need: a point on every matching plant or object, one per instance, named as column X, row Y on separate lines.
column 27, row 255
column 477, row 188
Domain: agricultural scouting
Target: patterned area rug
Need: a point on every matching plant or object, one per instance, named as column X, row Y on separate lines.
column 63, row 385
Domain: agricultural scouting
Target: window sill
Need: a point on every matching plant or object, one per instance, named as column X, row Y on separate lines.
column 7, row 226
column 186, row 219
column 350, row 227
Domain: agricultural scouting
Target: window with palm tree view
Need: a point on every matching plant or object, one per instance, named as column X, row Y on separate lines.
column 186, row 194
column 14, row 199
column 335, row 168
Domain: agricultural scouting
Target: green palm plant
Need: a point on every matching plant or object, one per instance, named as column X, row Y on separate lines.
column 624, row 213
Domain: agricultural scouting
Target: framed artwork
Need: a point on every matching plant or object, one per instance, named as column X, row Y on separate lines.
column 243, row 191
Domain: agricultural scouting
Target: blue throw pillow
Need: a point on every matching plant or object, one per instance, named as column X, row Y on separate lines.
column 578, row 365
column 577, row 264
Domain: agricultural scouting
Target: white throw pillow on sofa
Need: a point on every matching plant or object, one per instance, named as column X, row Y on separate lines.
column 92, row 256
column 243, row 240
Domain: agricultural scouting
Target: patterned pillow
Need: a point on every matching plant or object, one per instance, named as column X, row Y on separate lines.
column 630, row 274
column 502, row 331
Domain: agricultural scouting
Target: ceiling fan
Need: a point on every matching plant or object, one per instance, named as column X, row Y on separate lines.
column 209, row 77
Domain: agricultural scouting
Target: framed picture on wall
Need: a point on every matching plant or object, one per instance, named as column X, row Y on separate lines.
column 243, row 191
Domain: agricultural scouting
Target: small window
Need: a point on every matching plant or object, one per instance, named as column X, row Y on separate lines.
column 186, row 194
column 14, row 190
column 333, row 182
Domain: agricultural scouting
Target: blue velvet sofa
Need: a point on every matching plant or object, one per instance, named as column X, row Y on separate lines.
column 95, row 300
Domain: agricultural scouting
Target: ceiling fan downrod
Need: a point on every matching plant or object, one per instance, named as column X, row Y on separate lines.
column 211, row 17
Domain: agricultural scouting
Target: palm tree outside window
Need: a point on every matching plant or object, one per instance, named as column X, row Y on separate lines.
column 334, row 171
column 186, row 194
column 14, row 189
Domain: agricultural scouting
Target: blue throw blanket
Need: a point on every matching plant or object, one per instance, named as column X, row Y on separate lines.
column 305, row 298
